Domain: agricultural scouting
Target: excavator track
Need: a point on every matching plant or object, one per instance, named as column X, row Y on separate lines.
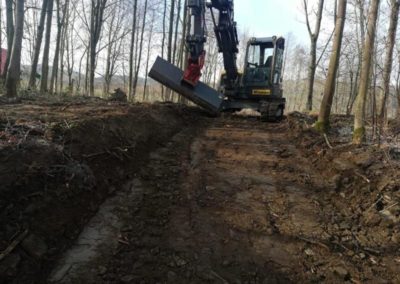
column 272, row 111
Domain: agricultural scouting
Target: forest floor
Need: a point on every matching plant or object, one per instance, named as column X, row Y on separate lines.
column 99, row 192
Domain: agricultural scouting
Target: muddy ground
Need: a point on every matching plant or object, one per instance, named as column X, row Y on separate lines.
column 110, row 193
column 59, row 161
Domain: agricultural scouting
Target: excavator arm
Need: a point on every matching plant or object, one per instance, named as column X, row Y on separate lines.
column 187, row 82
column 225, row 33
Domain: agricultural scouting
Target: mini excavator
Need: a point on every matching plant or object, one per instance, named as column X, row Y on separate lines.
column 259, row 87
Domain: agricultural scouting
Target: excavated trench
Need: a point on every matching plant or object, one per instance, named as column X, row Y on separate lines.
column 164, row 194
column 237, row 202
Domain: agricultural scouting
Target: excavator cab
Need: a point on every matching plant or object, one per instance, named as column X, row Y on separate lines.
column 263, row 67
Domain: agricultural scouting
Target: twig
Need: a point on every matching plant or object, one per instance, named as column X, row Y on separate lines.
column 327, row 141
column 93, row 154
column 219, row 277
column 314, row 243
column 391, row 206
column 373, row 205
column 13, row 245
column 363, row 177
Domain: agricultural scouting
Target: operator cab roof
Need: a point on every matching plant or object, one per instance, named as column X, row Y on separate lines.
column 267, row 41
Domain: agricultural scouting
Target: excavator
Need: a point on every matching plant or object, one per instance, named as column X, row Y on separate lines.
column 259, row 87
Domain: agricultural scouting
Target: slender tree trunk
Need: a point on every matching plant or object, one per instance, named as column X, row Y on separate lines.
column 10, row 31
column 387, row 70
column 183, row 39
column 64, row 42
column 359, row 120
column 14, row 68
column 38, row 44
column 398, row 103
column 131, row 71
column 329, row 89
column 176, row 31
column 313, row 51
column 164, row 31
column 96, row 24
column 311, row 75
column 170, row 41
column 57, row 50
column 140, row 48
column 148, row 56
column 170, row 31
column 46, row 49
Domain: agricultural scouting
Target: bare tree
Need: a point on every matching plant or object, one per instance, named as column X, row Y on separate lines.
column 96, row 24
column 38, row 45
column 313, row 49
column 14, row 68
column 62, row 10
column 10, row 31
column 150, row 35
column 387, row 71
column 135, row 81
column 174, row 59
column 330, row 83
column 116, row 33
column 46, row 49
column 359, row 120
column 131, row 50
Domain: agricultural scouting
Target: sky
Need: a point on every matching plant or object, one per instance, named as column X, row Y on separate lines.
column 263, row 18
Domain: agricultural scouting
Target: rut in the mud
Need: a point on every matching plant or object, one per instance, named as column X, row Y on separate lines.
column 222, row 200
column 239, row 202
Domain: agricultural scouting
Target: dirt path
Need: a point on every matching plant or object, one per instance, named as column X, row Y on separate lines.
column 236, row 203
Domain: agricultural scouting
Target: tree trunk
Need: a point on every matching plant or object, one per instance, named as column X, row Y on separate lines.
column 130, row 83
column 46, row 49
column 313, row 50
column 14, row 68
column 96, row 24
column 176, row 31
column 148, row 56
column 398, row 104
column 38, row 45
column 57, row 50
column 170, row 31
column 359, row 120
column 311, row 75
column 64, row 43
column 10, row 31
column 387, row 70
column 140, row 48
column 329, row 89
column 183, row 39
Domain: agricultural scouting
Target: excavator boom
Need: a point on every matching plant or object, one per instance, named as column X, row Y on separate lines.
column 226, row 35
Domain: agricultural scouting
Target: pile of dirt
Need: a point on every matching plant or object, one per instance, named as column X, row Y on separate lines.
column 59, row 161
column 362, row 211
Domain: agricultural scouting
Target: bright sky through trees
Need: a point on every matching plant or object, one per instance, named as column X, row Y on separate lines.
column 271, row 17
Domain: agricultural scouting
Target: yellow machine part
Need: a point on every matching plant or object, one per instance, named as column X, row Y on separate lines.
column 261, row 92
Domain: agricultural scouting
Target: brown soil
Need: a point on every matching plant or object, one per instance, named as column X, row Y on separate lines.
column 59, row 161
column 248, row 202
column 224, row 200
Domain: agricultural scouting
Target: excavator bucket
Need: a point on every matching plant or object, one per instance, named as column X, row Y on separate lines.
column 171, row 77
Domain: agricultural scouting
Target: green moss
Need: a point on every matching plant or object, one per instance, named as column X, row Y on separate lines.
column 322, row 126
column 359, row 135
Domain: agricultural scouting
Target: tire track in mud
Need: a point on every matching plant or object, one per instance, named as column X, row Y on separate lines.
column 236, row 202
column 248, row 203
